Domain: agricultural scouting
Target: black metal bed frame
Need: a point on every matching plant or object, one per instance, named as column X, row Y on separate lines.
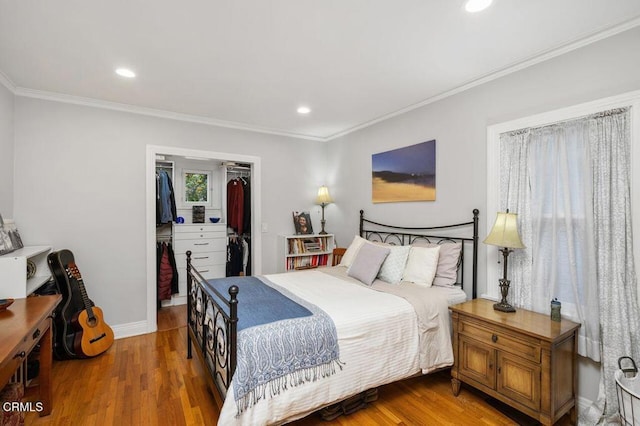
column 215, row 336
column 400, row 235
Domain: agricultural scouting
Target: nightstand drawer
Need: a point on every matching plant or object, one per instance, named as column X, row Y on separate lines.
column 519, row 345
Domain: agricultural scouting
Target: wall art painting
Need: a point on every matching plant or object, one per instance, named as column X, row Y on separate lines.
column 405, row 174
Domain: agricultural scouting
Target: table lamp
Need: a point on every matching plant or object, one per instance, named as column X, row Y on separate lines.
column 323, row 199
column 505, row 234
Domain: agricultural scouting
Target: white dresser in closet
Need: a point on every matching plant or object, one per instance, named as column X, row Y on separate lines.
column 208, row 245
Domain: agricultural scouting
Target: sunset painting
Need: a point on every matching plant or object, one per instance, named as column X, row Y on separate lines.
column 405, row 174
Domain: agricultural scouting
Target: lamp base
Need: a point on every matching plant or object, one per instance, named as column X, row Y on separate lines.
column 322, row 222
column 503, row 307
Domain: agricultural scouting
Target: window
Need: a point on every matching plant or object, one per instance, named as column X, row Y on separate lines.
column 196, row 187
column 563, row 179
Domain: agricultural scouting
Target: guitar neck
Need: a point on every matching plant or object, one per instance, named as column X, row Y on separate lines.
column 85, row 297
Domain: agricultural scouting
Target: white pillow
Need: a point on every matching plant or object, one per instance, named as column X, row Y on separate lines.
column 352, row 251
column 422, row 264
column 393, row 266
column 447, row 272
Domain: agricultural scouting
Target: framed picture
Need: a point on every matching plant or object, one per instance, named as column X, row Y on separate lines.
column 6, row 245
column 302, row 223
column 14, row 235
column 404, row 174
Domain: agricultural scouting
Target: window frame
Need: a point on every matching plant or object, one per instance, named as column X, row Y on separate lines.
column 183, row 187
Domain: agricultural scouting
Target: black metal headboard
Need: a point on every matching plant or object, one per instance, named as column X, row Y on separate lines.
column 400, row 235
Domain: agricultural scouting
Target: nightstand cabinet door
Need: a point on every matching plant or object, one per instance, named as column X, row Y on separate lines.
column 519, row 380
column 477, row 361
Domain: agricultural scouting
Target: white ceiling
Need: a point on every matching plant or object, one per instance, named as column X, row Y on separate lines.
column 250, row 63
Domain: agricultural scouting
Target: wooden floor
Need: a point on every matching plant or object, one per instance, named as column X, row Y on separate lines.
column 147, row 380
column 172, row 317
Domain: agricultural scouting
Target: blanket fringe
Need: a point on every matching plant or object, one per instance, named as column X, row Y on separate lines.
column 293, row 379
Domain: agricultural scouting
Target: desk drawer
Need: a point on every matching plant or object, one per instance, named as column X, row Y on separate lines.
column 20, row 353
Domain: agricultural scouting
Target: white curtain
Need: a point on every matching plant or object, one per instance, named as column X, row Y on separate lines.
column 570, row 185
column 610, row 145
column 548, row 185
column 515, row 193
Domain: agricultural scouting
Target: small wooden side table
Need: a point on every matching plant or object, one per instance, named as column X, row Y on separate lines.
column 522, row 358
column 24, row 325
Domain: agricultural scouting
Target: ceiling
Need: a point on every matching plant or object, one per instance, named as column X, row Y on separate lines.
column 249, row 64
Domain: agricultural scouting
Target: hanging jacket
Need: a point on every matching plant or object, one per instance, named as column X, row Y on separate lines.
column 165, row 275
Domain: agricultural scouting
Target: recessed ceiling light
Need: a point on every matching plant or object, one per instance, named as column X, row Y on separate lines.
column 477, row 5
column 304, row 110
column 125, row 72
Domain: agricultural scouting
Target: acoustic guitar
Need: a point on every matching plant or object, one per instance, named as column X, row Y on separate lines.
column 93, row 335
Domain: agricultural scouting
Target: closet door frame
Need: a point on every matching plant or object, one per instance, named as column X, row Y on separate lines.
column 256, row 254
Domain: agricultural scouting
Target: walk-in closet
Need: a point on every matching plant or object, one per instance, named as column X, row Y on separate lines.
column 203, row 205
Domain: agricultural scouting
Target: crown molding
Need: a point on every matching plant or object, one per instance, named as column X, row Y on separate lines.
column 6, row 82
column 536, row 59
column 97, row 103
column 541, row 57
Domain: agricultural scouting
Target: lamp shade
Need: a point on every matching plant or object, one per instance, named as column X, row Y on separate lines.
column 323, row 196
column 505, row 231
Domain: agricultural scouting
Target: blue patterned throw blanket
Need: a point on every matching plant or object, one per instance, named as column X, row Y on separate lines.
column 283, row 340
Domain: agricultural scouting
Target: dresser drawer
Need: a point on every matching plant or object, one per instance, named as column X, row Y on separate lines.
column 500, row 338
column 199, row 227
column 200, row 245
column 208, row 272
column 202, row 259
column 204, row 235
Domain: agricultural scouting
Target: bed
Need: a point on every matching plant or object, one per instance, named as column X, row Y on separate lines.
column 350, row 349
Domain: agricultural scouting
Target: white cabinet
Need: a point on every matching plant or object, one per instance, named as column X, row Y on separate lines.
column 208, row 245
column 13, row 271
column 305, row 251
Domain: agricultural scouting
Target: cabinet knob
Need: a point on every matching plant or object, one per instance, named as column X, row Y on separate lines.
column 36, row 334
column 494, row 338
column 21, row 354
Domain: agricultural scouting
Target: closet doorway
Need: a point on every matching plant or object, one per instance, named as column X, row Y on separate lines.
column 224, row 168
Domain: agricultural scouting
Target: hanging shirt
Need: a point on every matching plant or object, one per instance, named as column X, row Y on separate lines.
column 235, row 205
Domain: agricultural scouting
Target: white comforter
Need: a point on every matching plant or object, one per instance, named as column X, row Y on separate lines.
column 379, row 341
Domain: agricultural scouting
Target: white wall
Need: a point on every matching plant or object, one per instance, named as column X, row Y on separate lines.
column 6, row 152
column 80, row 184
column 459, row 125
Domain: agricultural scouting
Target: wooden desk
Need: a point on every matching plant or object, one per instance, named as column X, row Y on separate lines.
column 25, row 324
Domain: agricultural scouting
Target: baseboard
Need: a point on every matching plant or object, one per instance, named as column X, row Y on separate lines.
column 131, row 329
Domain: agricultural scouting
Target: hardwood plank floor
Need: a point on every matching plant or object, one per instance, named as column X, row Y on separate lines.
column 171, row 317
column 147, row 380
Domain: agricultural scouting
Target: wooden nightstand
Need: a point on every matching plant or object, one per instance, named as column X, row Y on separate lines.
column 522, row 359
